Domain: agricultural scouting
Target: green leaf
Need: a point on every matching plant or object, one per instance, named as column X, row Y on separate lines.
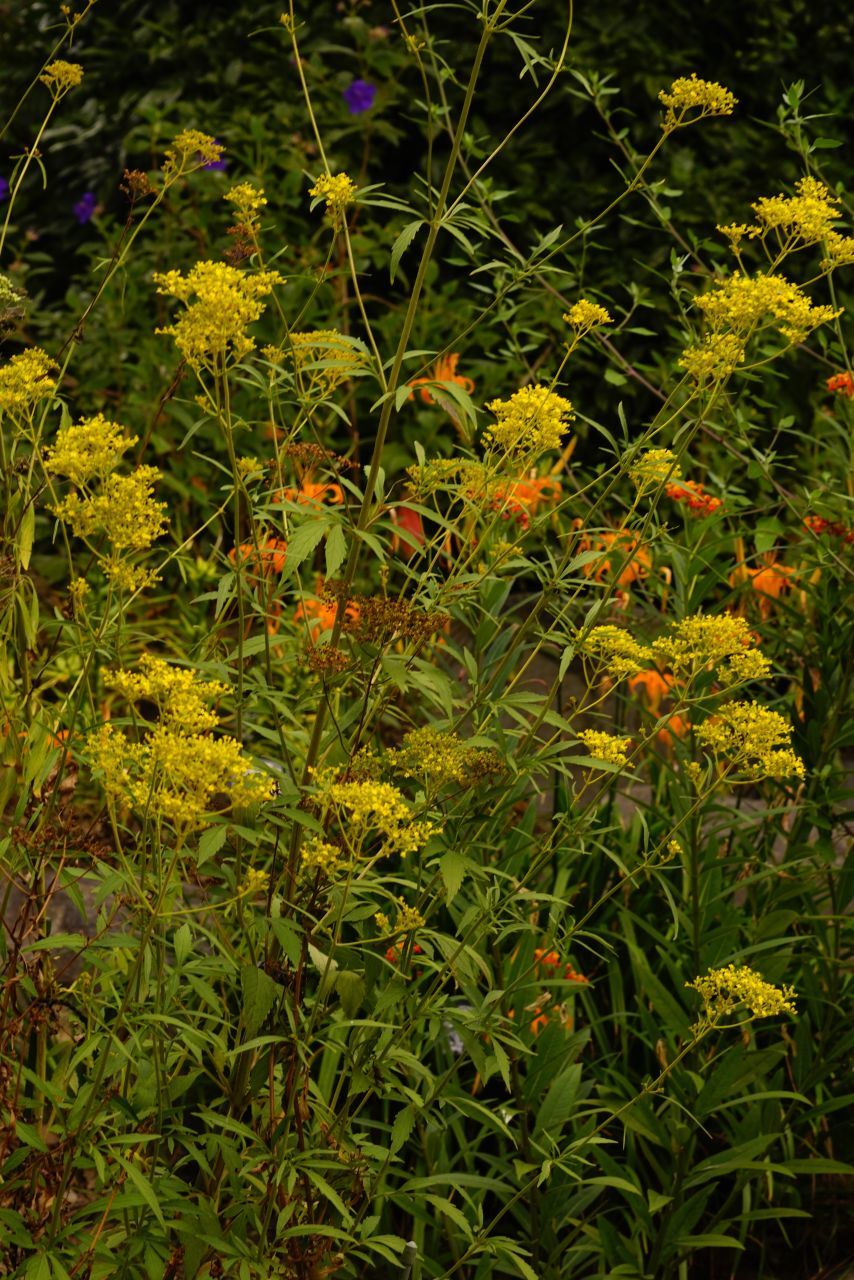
column 401, row 244
column 260, row 993
column 402, row 1127
column 210, row 842
column 351, row 990
column 26, row 530
column 182, row 941
column 452, row 866
column 38, row 1268
column 336, row 550
column 559, row 1102
column 709, row 1240
column 303, row 541
column 142, row 1185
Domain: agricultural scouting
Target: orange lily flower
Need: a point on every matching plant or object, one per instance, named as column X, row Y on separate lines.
column 444, row 370
column 312, row 494
column 843, row 383
column 269, row 556
column 655, row 687
column 625, row 546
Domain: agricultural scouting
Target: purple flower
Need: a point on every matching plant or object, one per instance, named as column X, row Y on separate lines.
column 4, row 188
column 85, row 207
column 360, row 96
column 220, row 165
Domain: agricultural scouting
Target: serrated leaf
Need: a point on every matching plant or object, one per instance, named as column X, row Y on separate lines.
column 402, row 1127
column 452, row 866
column 182, row 940
column 303, row 541
column 336, row 550
column 260, row 993
column 210, row 842
column 401, row 244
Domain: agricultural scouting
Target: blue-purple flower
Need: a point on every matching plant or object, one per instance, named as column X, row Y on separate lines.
column 220, row 165
column 360, row 96
column 4, row 189
column 85, row 207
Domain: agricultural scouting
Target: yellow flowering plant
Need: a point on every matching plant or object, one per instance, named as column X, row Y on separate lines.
column 423, row 687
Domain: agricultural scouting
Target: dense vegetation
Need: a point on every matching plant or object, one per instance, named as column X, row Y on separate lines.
column 425, row 643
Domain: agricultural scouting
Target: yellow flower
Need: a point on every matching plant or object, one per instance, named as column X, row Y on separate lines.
column 178, row 693
column 840, row 251
column 247, row 200
column 751, row 740
column 735, row 232
column 61, row 76
column 585, row 315
column 700, row 643
column 618, row 650
column 653, row 469
column 254, row 882
column 723, row 990
column 189, row 150
column 128, row 577
column 26, row 379
column 803, row 219
column 532, row 422
column 739, row 303
column 690, row 99
column 324, row 358
column 320, row 855
column 124, row 510
column 338, row 191
column 443, row 757
column 407, row 921
column 606, row 746
column 716, row 357
column 89, row 450
column 383, row 808
column 213, row 328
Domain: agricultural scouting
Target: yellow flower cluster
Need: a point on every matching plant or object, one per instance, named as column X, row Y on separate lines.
column 61, row 76
column 337, row 191
column 714, row 359
column 319, row 855
column 443, row 757
column 124, row 510
column 254, row 882
column 176, row 776
column 739, row 303
column 653, row 469
column 248, row 201
column 532, row 422
column 126, row 576
column 89, row 450
column 751, row 740
column 618, row 650
column 840, row 251
column 802, row 219
column 585, row 315
column 382, row 807
column 689, row 99
column 190, row 149
column 715, row 643
column 606, row 746
column 324, row 358
column 178, row 771
column 723, row 990
column 26, row 379
column 213, row 327
column 408, row 919
column 179, row 695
